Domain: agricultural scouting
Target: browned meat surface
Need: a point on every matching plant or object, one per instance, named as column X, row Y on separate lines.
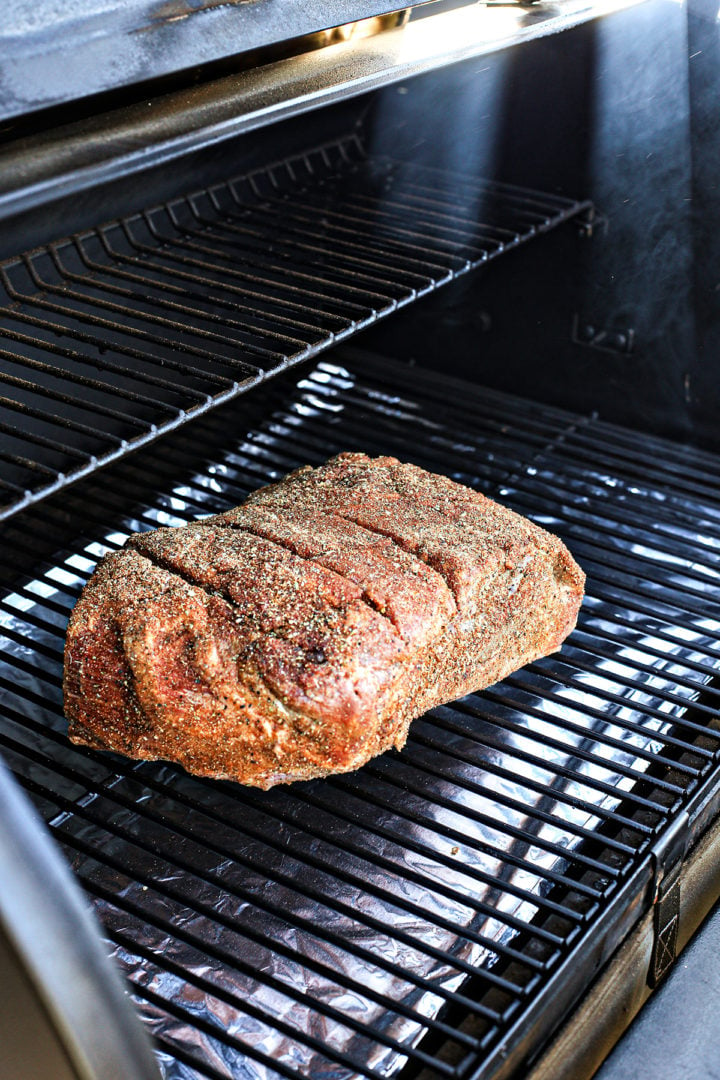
column 299, row 634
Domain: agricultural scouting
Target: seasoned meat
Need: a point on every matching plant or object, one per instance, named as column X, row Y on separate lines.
column 299, row 634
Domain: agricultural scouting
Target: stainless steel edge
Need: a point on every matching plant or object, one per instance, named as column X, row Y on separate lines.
column 621, row 957
column 82, row 1022
column 621, row 990
column 569, row 982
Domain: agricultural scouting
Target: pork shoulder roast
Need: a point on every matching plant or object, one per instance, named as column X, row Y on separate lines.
column 299, row 634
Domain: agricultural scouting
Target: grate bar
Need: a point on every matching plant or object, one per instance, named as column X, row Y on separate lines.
column 68, row 399
column 101, row 344
column 610, row 696
column 479, row 906
column 386, row 832
column 171, row 1050
column 668, row 739
column 215, row 1032
column 391, row 898
column 40, row 649
column 592, row 810
column 344, row 233
column 143, row 305
column 59, row 420
column 499, row 720
column 610, row 512
column 105, row 364
column 316, row 862
column 328, row 972
column 562, row 481
column 620, row 570
column 227, row 481
column 25, row 463
column 56, row 654
column 405, row 783
column 39, row 440
column 150, row 259
column 143, row 300
column 689, row 479
column 454, row 235
column 657, row 628
column 392, row 274
column 311, row 285
column 596, row 759
column 10, row 486
column 636, row 558
column 496, row 410
column 84, row 381
column 130, row 313
column 132, row 331
column 626, row 680
column 50, row 628
column 244, row 1006
column 454, row 245
column 650, row 536
column 266, row 307
column 100, row 271
column 390, row 834
column 471, row 247
column 664, row 608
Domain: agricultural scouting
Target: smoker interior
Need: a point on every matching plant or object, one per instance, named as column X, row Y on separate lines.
column 440, row 909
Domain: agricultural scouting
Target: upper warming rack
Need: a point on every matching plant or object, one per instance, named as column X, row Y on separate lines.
column 122, row 332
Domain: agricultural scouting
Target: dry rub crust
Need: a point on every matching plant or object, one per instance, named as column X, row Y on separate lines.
column 299, row 634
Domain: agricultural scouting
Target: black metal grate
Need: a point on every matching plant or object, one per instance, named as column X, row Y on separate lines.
column 415, row 915
column 113, row 336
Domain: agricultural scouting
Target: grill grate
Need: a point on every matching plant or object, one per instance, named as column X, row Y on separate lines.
column 414, row 916
column 118, row 334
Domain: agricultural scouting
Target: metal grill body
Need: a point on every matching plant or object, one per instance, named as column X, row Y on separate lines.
column 423, row 913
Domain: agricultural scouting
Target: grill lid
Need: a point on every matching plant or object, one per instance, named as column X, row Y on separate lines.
column 57, row 55
column 95, row 46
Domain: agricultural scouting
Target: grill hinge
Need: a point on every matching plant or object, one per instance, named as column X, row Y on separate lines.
column 667, row 856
